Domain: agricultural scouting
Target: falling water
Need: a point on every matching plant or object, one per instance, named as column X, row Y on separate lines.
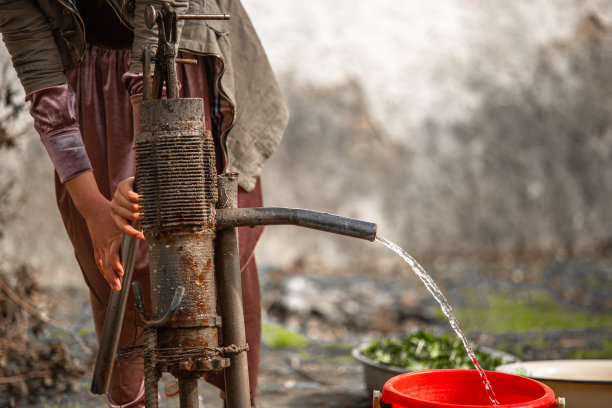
column 446, row 308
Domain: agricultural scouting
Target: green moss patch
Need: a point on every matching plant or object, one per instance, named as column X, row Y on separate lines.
column 276, row 336
column 526, row 310
column 85, row 331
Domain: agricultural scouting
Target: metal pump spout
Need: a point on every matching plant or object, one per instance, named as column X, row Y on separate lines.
column 251, row 217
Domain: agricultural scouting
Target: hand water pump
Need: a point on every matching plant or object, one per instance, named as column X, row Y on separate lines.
column 190, row 219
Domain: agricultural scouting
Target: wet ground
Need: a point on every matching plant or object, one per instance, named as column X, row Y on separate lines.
column 563, row 311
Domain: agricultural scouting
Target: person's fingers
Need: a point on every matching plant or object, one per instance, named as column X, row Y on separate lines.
column 98, row 260
column 114, row 258
column 110, row 274
column 126, row 188
column 121, row 201
column 133, row 232
column 120, row 221
column 124, row 212
column 111, row 265
column 126, row 228
column 117, row 270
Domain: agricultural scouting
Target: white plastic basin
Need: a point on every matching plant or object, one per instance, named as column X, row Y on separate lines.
column 583, row 383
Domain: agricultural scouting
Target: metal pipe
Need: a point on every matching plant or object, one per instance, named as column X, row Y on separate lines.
column 188, row 61
column 188, row 392
column 163, row 320
column 204, row 17
column 151, row 373
column 229, row 298
column 113, row 321
column 250, row 217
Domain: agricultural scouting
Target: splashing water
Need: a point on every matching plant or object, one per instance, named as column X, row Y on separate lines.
column 446, row 309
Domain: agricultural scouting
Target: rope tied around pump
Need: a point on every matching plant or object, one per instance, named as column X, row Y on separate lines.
column 170, row 355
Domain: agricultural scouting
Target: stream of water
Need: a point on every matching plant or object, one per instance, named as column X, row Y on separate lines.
column 446, row 309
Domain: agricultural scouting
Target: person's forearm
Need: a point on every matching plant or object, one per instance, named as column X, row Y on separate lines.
column 85, row 194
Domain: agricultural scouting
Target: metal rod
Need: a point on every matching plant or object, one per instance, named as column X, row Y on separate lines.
column 229, row 297
column 151, row 373
column 146, row 70
column 188, row 392
column 137, row 289
column 204, row 17
column 165, row 319
column 188, row 61
column 250, row 217
column 113, row 321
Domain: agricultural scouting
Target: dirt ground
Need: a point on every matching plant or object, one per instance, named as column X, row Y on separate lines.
column 320, row 372
column 284, row 382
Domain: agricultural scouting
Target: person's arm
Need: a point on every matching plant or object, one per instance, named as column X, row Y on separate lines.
column 28, row 38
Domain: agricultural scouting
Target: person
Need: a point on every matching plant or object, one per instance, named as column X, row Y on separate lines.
column 78, row 61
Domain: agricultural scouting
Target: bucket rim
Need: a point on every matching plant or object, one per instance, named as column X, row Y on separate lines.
column 391, row 395
column 527, row 368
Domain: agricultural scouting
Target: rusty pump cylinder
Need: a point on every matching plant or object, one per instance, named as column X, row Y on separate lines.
column 189, row 219
column 175, row 172
column 181, row 195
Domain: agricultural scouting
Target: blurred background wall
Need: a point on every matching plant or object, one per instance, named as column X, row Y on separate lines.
column 462, row 127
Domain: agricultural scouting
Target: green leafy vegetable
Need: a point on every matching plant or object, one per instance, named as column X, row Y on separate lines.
column 424, row 351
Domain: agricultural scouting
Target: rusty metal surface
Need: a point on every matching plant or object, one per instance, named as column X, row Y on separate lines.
column 188, row 61
column 230, row 298
column 177, row 179
column 188, row 392
column 165, row 56
column 151, row 371
column 250, row 217
column 145, row 59
column 165, row 64
column 185, row 260
column 175, row 171
column 175, row 159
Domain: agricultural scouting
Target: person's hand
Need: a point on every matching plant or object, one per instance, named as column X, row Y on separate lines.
column 105, row 236
column 124, row 208
column 106, row 239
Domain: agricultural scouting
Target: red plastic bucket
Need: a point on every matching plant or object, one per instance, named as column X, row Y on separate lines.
column 464, row 388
